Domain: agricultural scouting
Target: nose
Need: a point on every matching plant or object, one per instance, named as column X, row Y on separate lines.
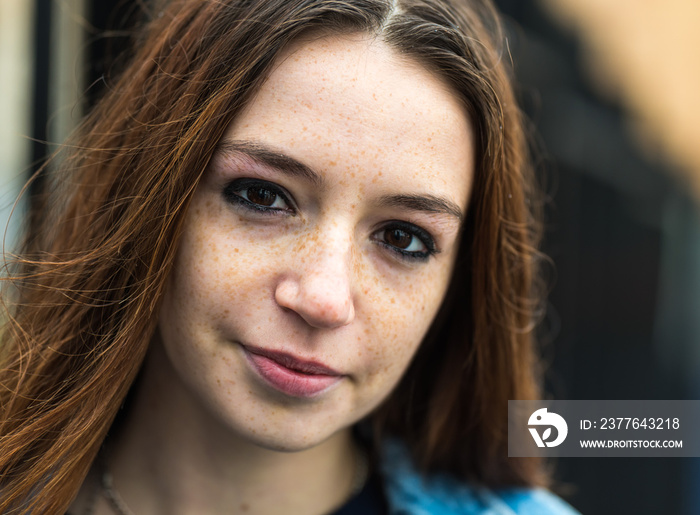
column 318, row 288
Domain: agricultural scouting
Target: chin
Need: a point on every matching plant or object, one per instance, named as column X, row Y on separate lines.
column 289, row 440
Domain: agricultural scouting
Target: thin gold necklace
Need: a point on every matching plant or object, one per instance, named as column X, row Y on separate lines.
column 111, row 495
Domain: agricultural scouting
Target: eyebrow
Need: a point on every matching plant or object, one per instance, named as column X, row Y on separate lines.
column 288, row 165
column 425, row 203
column 272, row 159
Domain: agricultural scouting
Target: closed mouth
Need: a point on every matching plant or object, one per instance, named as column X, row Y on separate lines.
column 290, row 375
column 293, row 363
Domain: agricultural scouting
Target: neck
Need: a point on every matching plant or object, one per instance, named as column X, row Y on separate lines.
column 173, row 456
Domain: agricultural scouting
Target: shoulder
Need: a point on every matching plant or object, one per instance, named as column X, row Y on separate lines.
column 409, row 493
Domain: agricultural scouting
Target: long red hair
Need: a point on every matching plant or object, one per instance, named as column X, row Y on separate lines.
column 81, row 299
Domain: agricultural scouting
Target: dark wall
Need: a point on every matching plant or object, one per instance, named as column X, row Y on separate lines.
column 107, row 28
column 607, row 235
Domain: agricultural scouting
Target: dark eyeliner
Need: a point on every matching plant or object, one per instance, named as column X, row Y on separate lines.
column 415, row 231
column 231, row 196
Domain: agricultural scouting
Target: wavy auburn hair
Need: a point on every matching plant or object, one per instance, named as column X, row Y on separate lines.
column 82, row 297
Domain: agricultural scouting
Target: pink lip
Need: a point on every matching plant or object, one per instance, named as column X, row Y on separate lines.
column 289, row 374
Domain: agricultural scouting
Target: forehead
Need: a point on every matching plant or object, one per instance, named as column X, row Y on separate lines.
column 354, row 102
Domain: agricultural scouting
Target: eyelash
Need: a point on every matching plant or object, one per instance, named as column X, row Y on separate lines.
column 232, row 195
column 413, row 231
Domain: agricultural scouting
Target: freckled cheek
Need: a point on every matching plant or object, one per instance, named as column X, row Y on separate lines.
column 220, row 265
column 398, row 323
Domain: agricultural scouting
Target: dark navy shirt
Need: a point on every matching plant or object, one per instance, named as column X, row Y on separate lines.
column 368, row 501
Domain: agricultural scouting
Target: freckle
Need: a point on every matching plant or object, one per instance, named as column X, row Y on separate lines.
column 244, row 507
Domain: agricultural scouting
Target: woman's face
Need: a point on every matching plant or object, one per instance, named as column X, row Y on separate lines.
column 320, row 243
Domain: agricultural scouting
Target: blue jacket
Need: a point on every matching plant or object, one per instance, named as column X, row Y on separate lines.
column 409, row 494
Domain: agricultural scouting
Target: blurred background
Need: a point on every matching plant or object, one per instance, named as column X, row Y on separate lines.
column 611, row 89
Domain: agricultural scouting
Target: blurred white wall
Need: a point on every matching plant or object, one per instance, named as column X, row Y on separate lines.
column 16, row 18
column 65, row 87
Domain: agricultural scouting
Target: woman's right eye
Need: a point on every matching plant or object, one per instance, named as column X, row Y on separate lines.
column 260, row 196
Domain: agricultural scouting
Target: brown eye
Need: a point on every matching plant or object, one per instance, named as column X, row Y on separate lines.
column 407, row 240
column 398, row 238
column 261, row 196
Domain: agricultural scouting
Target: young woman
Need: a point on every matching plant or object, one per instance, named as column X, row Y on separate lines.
column 295, row 244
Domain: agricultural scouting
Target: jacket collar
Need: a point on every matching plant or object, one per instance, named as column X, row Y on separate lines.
column 409, row 492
